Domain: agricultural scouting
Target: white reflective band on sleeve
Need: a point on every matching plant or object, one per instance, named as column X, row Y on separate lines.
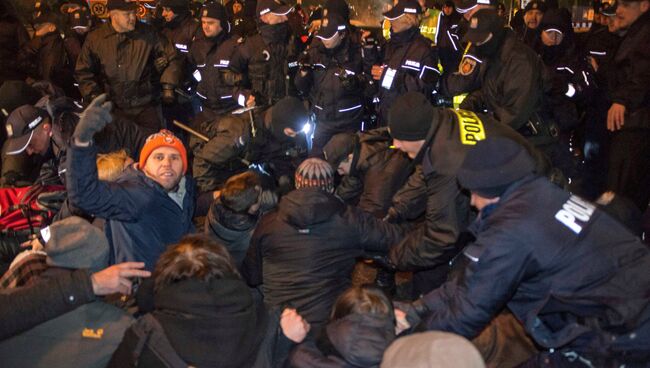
column 565, row 68
column 411, row 67
column 350, row 108
column 318, row 107
column 225, row 97
column 241, row 100
column 200, row 95
column 584, row 76
column 387, row 82
column 471, row 257
column 201, row 66
column 428, row 67
column 599, row 53
column 571, row 91
column 320, row 65
column 45, row 234
column 197, row 75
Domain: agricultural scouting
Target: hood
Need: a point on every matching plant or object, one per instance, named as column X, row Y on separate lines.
column 361, row 339
column 228, row 225
column 306, row 207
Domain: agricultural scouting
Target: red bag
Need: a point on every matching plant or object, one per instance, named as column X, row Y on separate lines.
column 19, row 208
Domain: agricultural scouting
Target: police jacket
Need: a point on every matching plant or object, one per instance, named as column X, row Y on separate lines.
column 377, row 172
column 629, row 80
column 302, row 254
column 141, row 218
column 574, row 276
column 219, row 86
column 263, row 59
column 434, row 188
column 122, row 64
column 600, row 44
column 512, row 84
column 333, row 83
column 410, row 64
column 447, row 33
column 181, row 32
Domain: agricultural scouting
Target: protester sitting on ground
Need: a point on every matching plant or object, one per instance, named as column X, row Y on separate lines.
column 233, row 216
column 361, row 327
column 86, row 336
column 432, row 349
column 24, row 308
column 302, row 254
column 149, row 206
column 204, row 315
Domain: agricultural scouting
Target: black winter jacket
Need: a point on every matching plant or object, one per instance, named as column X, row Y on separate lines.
column 629, row 80
column 13, row 37
column 333, row 84
column 411, row 64
column 303, row 253
column 122, row 64
column 232, row 230
column 434, row 189
column 574, row 276
column 356, row 340
column 512, row 100
column 378, row 172
column 181, row 32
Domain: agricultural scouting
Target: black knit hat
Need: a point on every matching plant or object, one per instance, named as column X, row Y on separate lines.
column 493, row 164
column 410, row 116
column 315, row 173
column 339, row 7
column 177, row 6
column 216, row 11
column 289, row 112
column 535, row 5
column 556, row 20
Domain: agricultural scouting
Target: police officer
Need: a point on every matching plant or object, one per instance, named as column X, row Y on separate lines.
column 331, row 75
column 628, row 117
column 270, row 140
column 45, row 130
column 79, row 24
column 219, row 86
column 549, row 257
column 410, row 61
column 131, row 62
column 180, row 28
column 437, row 141
column 512, row 83
column 263, row 57
column 447, row 40
column 530, row 32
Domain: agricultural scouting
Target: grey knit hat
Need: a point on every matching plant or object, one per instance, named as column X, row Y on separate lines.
column 75, row 243
column 315, row 173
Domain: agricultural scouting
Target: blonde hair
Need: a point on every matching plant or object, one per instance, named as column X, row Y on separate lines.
column 111, row 165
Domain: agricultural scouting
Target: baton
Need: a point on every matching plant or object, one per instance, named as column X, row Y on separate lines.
column 202, row 137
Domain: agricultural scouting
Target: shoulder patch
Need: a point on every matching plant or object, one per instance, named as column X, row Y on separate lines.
column 467, row 66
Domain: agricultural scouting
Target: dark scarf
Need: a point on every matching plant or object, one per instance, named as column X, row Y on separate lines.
column 274, row 34
column 489, row 49
column 404, row 36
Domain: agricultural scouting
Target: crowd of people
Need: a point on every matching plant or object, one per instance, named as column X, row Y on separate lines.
column 259, row 184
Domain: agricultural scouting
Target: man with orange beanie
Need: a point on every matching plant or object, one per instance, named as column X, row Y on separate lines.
column 149, row 206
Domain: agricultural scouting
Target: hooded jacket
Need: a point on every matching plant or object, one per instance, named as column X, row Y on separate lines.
column 574, row 276
column 356, row 340
column 233, row 230
column 141, row 218
column 303, row 253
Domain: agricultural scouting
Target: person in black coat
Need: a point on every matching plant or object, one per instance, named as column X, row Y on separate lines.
column 574, row 276
column 361, row 327
column 447, row 39
column 202, row 310
column 303, row 253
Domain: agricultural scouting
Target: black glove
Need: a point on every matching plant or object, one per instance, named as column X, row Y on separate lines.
column 415, row 311
column 168, row 96
column 160, row 64
column 93, row 119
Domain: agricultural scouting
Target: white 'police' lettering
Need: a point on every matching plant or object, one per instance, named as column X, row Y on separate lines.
column 575, row 214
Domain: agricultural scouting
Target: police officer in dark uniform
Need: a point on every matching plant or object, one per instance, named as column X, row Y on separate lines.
column 572, row 275
column 410, row 61
column 512, row 84
column 78, row 25
column 447, row 41
column 437, row 141
column 331, row 75
column 180, row 28
column 131, row 62
column 219, row 87
column 263, row 57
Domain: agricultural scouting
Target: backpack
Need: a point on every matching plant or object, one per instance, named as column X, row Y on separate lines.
column 147, row 332
column 20, row 210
